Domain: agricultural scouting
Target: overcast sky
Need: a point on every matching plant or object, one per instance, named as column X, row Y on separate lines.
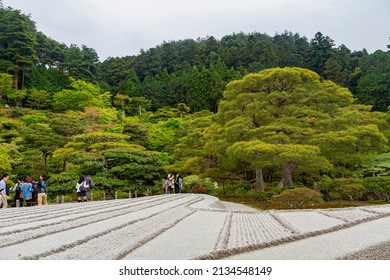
column 124, row 27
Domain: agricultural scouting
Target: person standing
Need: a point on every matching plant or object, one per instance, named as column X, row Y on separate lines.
column 81, row 189
column 42, row 190
column 18, row 190
column 3, row 190
column 170, row 183
column 88, row 182
column 27, row 191
column 165, row 185
column 178, row 183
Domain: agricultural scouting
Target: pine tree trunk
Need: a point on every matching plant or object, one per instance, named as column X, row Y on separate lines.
column 16, row 75
column 64, row 166
column 287, row 168
column 259, row 179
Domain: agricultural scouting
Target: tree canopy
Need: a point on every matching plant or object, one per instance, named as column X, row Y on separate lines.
column 290, row 118
column 249, row 107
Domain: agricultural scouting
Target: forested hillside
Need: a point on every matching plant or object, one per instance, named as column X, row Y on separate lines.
column 256, row 109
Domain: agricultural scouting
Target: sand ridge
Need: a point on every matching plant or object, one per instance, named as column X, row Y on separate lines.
column 190, row 226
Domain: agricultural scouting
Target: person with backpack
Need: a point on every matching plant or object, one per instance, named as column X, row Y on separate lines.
column 3, row 190
column 89, row 182
column 82, row 188
column 18, row 190
column 42, row 190
column 27, row 191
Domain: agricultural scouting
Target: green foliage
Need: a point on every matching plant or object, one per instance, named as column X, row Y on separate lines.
column 373, row 82
column 291, row 118
column 259, row 195
column 342, row 189
column 138, row 132
column 282, row 123
column 5, row 165
column 162, row 136
column 377, row 188
column 194, row 183
column 81, row 95
column 5, row 85
column 38, row 99
column 376, row 165
column 17, row 43
column 17, row 96
column 35, row 118
column 111, row 160
column 62, row 184
column 299, row 198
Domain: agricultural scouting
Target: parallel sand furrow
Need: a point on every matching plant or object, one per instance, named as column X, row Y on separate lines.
column 62, row 240
column 187, row 226
column 255, row 228
column 224, row 234
column 29, row 215
column 119, row 242
column 247, row 250
column 71, row 221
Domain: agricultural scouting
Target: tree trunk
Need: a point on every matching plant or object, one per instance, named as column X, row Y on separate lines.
column 123, row 109
column 16, row 74
column 64, row 166
column 22, row 83
column 259, row 179
column 287, row 168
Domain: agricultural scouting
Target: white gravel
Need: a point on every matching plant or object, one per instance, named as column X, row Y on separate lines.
column 329, row 246
column 190, row 226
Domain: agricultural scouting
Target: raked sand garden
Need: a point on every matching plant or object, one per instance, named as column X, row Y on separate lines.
column 191, row 226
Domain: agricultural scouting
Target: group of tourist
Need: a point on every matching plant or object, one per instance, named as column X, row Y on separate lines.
column 27, row 192
column 171, row 183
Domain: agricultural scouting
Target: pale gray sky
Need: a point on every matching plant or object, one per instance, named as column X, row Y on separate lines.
column 124, row 27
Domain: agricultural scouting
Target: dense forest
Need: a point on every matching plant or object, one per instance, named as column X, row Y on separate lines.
column 253, row 113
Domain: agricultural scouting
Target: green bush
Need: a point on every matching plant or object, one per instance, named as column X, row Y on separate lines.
column 350, row 189
column 377, row 188
column 259, row 195
column 299, row 198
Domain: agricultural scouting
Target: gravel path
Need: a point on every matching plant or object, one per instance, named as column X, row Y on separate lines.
column 191, row 226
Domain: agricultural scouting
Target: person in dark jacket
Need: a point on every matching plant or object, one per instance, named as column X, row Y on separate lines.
column 82, row 189
column 88, row 182
column 18, row 190
column 42, row 189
